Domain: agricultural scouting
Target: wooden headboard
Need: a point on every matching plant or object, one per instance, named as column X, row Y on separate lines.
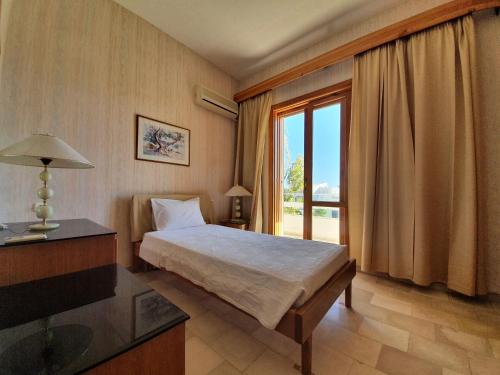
column 141, row 214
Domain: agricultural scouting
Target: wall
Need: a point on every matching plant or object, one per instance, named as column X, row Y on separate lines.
column 340, row 35
column 488, row 58
column 82, row 69
column 5, row 6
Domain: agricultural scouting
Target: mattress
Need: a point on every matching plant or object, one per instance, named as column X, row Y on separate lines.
column 261, row 274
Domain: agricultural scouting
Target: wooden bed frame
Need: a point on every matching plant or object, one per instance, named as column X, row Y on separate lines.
column 298, row 323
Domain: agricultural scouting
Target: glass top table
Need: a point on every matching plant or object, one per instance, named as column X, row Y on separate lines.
column 71, row 323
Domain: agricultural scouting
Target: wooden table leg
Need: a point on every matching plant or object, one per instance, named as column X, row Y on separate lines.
column 306, row 364
column 348, row 295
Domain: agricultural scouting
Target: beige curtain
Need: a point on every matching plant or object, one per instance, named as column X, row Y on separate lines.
column 253, row 123
column 412, row 171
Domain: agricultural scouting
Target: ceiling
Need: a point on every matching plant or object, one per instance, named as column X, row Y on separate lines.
column 243, row 36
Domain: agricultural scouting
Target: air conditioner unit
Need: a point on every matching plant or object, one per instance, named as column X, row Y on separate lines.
column 216, row 103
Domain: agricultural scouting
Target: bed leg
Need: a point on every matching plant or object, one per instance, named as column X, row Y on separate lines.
column 307, row 357
column 348, row 295
column 136, row 264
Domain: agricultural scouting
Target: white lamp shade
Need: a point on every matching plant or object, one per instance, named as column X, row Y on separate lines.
column 238, row 191
column 32, row 150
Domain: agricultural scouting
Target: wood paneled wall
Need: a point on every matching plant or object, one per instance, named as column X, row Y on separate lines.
column 82, row 69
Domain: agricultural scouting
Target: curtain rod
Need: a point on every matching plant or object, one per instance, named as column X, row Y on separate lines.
column 419, row 22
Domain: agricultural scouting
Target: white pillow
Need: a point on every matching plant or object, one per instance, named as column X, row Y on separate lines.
column 174, row 214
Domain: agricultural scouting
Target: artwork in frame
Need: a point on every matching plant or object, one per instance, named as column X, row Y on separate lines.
column 161, row 142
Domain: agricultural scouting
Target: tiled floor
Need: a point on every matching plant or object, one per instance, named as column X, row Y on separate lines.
column 393, row 329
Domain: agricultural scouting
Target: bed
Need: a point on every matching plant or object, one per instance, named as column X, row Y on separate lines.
column 249, row 271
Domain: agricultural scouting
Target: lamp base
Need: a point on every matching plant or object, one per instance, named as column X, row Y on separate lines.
column 46, row 226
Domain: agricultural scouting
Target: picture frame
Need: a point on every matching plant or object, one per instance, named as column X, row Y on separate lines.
column 162, row 142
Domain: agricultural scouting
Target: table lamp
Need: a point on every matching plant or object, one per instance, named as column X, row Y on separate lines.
column 237, row 191
column 44, row 150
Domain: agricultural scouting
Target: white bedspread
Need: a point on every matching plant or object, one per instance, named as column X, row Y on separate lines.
column 261, row 274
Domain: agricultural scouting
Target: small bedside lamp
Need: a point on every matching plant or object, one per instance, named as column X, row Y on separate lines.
column 44, row 150
column 237, row 191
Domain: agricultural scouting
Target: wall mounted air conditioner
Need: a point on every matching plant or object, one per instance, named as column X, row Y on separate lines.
column 216, row 103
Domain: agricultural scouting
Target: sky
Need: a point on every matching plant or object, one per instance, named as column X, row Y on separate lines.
column 326, row 143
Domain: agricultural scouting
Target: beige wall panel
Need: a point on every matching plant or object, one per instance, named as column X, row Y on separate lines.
column 342, row 31
column 82, row 69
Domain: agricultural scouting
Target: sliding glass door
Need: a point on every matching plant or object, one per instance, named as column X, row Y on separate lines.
column 309, row 161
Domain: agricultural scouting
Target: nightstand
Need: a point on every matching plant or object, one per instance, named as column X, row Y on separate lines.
column 233, row 224
column 77, row 245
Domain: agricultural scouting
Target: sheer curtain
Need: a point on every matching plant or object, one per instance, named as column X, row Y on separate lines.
column 253, row 123
column 412, row 159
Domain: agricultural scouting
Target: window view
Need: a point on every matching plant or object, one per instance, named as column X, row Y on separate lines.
column 310, row 152
column 326, row 153
column 293, row 175
column 326, row 172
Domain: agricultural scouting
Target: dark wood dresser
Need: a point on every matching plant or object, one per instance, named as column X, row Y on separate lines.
column 100, row 321
column 76, row 245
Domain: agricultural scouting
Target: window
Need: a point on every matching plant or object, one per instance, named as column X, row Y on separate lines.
column 308, row 161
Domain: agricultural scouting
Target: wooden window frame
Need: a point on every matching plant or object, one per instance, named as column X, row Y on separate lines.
column 307, row 103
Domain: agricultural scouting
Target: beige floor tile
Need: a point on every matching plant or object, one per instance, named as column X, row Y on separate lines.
column 435, row 316
column 447, row 371
column 188, row 333
column 495, row 346
column 439, row 354
column 189, row 289
column 396, row 362
column 478, row 327
column 390, row 303
column 385, row 334
column 241, row 320
column 444, row 333
column 366, row 285
column 217, row 305
column 225, row 369
column 362, row 369
column 371, row 311
column 394, row 283
column 490, row 317
column 360, row 295
column 160, row 285
column 342, row 316
column 459, row 309
column 200, row 359
column 495, row 304
column 191, row 305
column 463, row 340
column 238, row 348
column 271, row 363
column 481, row 365
column 149, row 276
column 326, row 361
column 351, row 344
column 209, row 326
column 433, row 293
column 472, row 302
column 275, row 340
column 360, row 275
column 413, row 325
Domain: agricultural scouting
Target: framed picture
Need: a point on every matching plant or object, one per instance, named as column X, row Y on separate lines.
column 151, row 311
column 162, row 142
